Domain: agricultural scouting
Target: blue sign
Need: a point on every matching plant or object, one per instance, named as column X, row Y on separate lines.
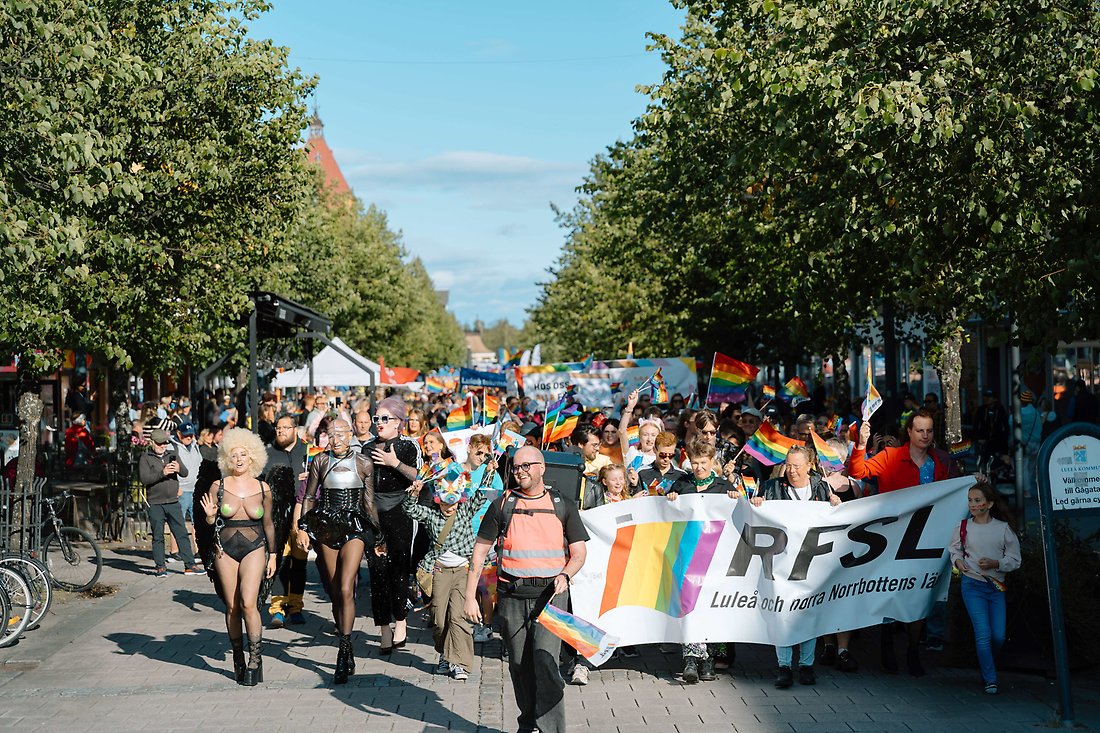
column 474, row 378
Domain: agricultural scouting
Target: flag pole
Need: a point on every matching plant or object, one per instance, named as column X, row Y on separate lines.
column 710, row 380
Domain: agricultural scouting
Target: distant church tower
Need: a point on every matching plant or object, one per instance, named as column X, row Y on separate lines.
column 318, row 151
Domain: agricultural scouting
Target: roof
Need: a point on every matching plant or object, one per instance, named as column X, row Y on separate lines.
column 318, row 151
column 475, row 344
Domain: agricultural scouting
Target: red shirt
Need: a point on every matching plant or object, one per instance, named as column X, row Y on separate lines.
column 894, row 467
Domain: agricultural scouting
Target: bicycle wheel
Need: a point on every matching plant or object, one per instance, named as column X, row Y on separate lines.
column 73, row 559
column 36, row 574
column 5, row 608
column 22, row 605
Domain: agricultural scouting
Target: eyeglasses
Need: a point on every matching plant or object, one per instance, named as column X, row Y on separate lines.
column 525, row 467
column 666, row 455
column 384, row 419
column 708, row 432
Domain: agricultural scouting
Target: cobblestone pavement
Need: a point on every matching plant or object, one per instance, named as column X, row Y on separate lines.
column 153, row 657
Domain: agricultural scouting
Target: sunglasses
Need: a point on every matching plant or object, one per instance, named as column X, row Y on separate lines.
column 666, row 455
column 525, row 467
column 384, row 419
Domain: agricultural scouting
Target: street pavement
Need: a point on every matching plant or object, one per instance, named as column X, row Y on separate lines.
column 153, row 656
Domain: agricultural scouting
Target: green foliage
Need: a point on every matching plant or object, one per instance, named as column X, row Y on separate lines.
column 800, row 164
column 500, row 335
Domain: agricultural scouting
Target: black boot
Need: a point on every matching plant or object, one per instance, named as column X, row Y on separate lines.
column 344, row 660
column 889, row 660
column 238, row 657
column 254, row 672
column 351, row 656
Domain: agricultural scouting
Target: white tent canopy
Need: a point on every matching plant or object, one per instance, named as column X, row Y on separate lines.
column 332, row 369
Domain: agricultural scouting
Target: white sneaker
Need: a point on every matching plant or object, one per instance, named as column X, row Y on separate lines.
column 459, row 673
column 483, row 633
column 580, row 675
column 443, row 667
column 173, row 559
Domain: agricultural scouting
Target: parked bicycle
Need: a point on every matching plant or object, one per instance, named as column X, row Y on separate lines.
column 21, row 602
column 37, row 575
column 72, row 556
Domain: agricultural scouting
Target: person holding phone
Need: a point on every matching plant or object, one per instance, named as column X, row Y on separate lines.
column 160, row 470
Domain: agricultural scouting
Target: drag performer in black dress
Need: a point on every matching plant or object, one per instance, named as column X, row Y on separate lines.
column 396, row 461
column 339, row 516
column 241, row 508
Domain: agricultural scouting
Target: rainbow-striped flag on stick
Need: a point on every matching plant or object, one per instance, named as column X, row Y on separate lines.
column 729, row 379
column 462, row 417
column 960, row 449
column 769, row 392
column 794, row 389
column 769, row 446
column 826, row 454
column 590, row 641
column 491, row 408
column 873, row 401
column 749, row 484
column 632, row 437
column 561, row 417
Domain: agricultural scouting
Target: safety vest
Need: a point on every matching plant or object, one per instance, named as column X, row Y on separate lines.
column 533, row 545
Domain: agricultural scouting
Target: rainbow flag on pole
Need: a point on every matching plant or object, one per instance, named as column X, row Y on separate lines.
column 562, row 417
column 826, row 454
column 748, row 483
column 768, row 392
column 462, row 417
column 491, row 408
column 960, row 449
column 660, row 391
column 769, row 446
column 729, row 379
column 590, row 641
column 873, row 400
column 794, row 389
column 632, row 437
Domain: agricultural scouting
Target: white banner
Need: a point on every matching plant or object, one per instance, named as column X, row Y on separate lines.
column 710, row 568
column 594, row 387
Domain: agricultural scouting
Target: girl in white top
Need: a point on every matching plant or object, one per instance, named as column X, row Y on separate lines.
column 984, row 549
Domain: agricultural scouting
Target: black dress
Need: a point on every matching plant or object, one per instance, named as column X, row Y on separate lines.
column 339, row 501
column 389, row 574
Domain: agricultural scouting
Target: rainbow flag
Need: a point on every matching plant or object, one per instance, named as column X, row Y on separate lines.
column 836, row 425
column 660, row 565
column 433, row 384
column 769, row 446
column 826, row 454
column 960, row 449
column 794, row 389
column 657, row 487
column 591, row 642
column 659, row 390
column 506, row 440
column 312, row 452
column 562, row 426
column 632, row 439
column 729, row 379
column 461, row 417
column 874, row 399
column 749, row 484
column 768, row 392
column 491, row 408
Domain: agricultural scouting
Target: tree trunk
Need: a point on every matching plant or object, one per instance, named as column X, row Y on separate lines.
column 890, row 353
column 29, row 410
column 842, row 390
column 949, row 367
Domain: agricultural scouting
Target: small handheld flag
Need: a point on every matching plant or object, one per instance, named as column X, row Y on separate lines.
column 873, row 400
column 590, row 641
column 960, row 449
column 769, row 446
column 769, row 392
column 491, row 408
column 795, row 389
column 826, row 454
column 632, row 439
column 836, row 425
column 729, row 379
column 749, row 483
column 462, row 417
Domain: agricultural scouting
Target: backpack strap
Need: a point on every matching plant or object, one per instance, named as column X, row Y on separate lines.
column 508, row 510
column 962, row 536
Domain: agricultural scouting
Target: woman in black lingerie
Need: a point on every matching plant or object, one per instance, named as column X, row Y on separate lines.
column 240, row 507
column 339, row 517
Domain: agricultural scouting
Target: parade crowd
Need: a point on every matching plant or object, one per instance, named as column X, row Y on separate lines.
column 481, row 544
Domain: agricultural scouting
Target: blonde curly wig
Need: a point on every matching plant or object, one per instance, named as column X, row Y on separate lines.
column 241, row 438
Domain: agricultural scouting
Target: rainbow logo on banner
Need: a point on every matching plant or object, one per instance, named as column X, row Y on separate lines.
column 660, row 565
column 590, row 641
column 769, row 446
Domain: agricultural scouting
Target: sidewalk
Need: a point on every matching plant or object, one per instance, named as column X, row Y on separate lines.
column 154, row 657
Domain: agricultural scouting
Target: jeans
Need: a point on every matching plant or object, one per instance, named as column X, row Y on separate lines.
column 187, row 502
column 533, row 664
column 173, row 515
column 806, row 657
column 986, row 606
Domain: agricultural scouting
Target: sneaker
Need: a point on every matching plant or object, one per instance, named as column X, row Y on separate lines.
column 784, row 679
column 934, row 645
column 160, row 573
column 991, row 688
column 443, row 667
column 828, row 656
column 845, row 662
column 580, row 675
column 806, row 675
column 706, row 670
column 691, row 671
column 297, row 618
column 173, row 558
column 277, row 620
column 459, row 672
column 193, row 570
column 482, row 634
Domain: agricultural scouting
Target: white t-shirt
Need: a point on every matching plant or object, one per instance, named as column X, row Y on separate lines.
column 802, row 494
column 449, row 559
column 646, row 462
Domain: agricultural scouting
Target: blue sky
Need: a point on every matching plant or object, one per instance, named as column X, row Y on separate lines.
column 464, row 121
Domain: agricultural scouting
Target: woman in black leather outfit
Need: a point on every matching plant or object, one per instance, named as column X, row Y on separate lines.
column 396, row 461
column 339, row 516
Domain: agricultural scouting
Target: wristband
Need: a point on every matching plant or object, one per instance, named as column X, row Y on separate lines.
column 568, row 580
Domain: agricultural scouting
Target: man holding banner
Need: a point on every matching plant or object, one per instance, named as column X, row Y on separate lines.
column 913, row 464
column 542, row 546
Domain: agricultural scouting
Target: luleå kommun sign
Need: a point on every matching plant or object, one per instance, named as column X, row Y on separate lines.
column 1075, row 473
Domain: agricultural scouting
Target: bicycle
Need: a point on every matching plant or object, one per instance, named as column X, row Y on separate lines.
column 71, row 555
column 5, row 608
column 21, row 602
column 37, row 575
